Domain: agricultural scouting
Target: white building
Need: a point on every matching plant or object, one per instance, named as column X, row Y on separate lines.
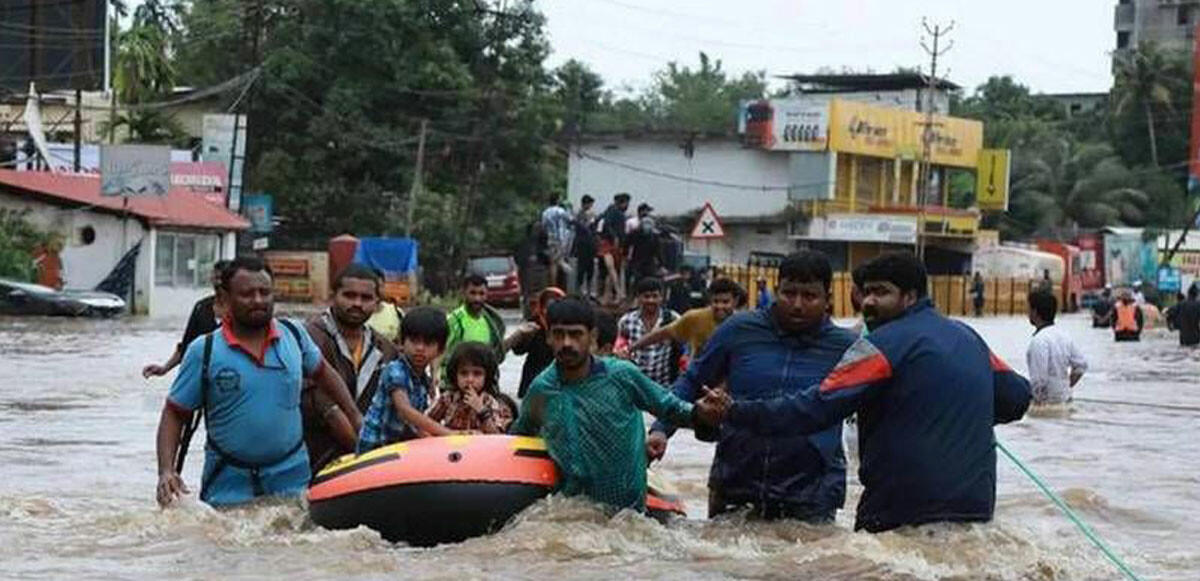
column 181, row 235
column 747, row 189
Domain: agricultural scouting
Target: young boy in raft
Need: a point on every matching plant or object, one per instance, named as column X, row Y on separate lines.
column 589, row 411
column 474, row 402
column 397, row 411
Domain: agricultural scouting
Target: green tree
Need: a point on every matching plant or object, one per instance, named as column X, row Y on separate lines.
column 145, row 72
column 19, row 240
column 579, row 93
column 345, row 84
column 1145, row 82
column 704, row 99
column 1064, row 185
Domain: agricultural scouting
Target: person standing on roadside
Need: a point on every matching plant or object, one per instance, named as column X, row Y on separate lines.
column 355, row 351
column 205, row 317
column 612, row 247
column 770, row 354
column 585, row 248
column 1055, row 364
column 560, row 235
column 246, row 377
column 977, row 294
column 928, row 392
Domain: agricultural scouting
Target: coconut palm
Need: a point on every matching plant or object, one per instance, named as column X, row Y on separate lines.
column 1143, row 81
column 1064, row 185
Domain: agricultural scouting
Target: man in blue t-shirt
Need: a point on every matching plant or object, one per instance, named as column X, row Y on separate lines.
column 246, row 377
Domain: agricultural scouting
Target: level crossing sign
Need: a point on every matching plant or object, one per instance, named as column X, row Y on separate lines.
column 708, row 225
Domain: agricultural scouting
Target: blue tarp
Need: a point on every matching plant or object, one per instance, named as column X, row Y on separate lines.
column 393, row 256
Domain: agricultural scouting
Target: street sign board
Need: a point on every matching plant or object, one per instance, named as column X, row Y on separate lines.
column 991, row 184
column 708, row 225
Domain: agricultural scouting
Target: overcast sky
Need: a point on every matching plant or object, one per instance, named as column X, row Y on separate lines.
column 1052, row 46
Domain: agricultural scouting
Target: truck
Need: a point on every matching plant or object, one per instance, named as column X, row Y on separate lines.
column 1072, row 286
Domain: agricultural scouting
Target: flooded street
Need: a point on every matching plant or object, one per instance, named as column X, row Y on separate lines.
column 77, row 425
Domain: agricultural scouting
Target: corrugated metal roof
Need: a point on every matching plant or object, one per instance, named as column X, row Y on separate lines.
column 180, row 208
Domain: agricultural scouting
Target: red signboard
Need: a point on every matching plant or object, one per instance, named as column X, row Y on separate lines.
column 205, row 178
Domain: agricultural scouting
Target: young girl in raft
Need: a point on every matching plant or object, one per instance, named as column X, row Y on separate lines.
column 473, row 402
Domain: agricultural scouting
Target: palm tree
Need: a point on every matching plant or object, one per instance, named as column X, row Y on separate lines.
column 1066, row 185
column 1143, row 80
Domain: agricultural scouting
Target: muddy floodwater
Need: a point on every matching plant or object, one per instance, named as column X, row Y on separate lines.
column 77, row 426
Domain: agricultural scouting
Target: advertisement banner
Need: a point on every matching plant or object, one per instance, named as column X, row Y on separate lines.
column 799, row 126
column 258, row 208
column 219, row 139
column 135, row 170
column 203, row 178
column 896, row 133
column 991, row 179
column 871, row 228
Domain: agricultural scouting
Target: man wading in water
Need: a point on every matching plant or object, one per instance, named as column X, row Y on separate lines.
column 589, row 410
column 206, row 316
column 770, row 354
column 356, row 352
column 927, row 391
column 246, row 377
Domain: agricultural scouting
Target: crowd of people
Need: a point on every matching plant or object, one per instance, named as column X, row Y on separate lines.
column 601, row 255
column 770, row 386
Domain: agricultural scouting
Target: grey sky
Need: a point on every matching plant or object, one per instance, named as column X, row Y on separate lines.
column 1050, row 45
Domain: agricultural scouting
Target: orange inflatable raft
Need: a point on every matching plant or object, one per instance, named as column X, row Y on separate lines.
column 443, row 490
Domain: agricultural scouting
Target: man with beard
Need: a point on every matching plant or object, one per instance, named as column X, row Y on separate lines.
column 927, row 390
column 246, row 377
column 770, row 354
column 589, row 410
column 355, row 351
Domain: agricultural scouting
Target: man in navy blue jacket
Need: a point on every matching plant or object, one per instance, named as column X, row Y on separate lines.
column 927, row 391
column 769, row 354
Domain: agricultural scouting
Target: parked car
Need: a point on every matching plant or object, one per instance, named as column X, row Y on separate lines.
column 21, row 298
column 500, row 270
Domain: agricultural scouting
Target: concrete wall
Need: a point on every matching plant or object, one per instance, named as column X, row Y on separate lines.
column 627, row 163
column 742, row 239
column 1158, row 21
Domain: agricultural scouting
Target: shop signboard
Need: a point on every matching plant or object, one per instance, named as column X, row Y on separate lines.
column 203, row 178
column 871, row 228
column 897, row 133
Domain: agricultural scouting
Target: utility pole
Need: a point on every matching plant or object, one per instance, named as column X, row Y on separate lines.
column 936, row 51
column 418, row 178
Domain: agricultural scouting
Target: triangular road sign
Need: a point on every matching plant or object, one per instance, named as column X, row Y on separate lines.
column 708, row 225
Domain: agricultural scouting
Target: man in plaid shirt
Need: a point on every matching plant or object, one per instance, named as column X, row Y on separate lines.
column 659, row 361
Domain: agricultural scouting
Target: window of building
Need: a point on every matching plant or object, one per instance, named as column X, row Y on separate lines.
column 1122, row 39
column 1183, row 15
column 185, row 260
column 87, row 235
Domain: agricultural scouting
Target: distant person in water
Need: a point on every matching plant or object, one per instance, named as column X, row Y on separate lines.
column 1055, row 363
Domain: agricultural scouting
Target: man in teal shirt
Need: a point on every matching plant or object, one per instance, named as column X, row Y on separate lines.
column 589, row 411
column 474, row 321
